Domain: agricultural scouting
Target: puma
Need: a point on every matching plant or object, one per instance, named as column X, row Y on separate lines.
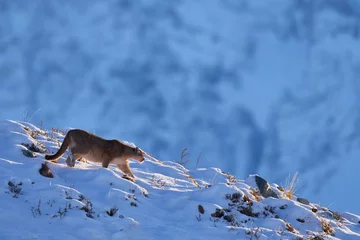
column 96, row 149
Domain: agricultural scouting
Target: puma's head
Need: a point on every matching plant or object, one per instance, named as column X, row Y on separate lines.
column 138, row 154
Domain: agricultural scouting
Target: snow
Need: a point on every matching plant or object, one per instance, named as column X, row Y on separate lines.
column 274, row 84
column 162, row 203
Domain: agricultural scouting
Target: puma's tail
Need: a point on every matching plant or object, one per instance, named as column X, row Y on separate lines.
column 62, row 149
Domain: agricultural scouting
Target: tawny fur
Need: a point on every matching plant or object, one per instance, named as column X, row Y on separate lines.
column 96, row 149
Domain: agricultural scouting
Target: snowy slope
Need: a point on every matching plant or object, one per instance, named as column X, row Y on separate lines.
column 167, row 201
column 194, row 73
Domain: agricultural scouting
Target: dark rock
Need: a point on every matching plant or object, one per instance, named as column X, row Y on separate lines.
column 264, row 188
column 28, row 153
column 283, row 207
column 45, row 171
column 303, row 201
column 201, row 209
column 300, row 220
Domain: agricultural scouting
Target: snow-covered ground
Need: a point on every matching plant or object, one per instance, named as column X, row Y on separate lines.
column 277, row 81
column 166, row 201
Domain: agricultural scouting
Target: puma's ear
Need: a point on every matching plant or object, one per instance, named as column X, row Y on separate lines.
column 137, row 150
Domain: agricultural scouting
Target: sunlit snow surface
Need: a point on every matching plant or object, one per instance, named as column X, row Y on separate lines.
column 162, row 203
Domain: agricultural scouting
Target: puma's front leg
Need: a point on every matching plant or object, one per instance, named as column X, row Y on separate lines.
column 125, row 168
column 105, row 163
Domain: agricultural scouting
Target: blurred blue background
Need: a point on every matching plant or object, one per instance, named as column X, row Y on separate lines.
column 267, row 87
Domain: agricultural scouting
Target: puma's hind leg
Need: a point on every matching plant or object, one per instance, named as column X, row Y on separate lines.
column 76, row 154
column 72, row 158
column 82, row 159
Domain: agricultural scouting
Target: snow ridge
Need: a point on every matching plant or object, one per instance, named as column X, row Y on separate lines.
column 166, row 200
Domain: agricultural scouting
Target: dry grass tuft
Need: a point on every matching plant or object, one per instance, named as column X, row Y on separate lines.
column 326, row 226
column 185, row 158
column 289, row 227
column 254, row 233
column 338, row 217
column 255, row 194
column 289, row 189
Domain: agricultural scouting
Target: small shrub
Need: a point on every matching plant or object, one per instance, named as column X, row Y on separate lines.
column 88, row 208
column 38, row 147
column 253, row 233
column 63, row 211
column 68, row 195
column 36, row 210
column 112, row 211
column 14, row 189
column 234, row 198
column 218, row 213
column 247, row 210
column 338, row 217
column 158, row 182
column 81, row 198
column 229, row 218
column 269, row 210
